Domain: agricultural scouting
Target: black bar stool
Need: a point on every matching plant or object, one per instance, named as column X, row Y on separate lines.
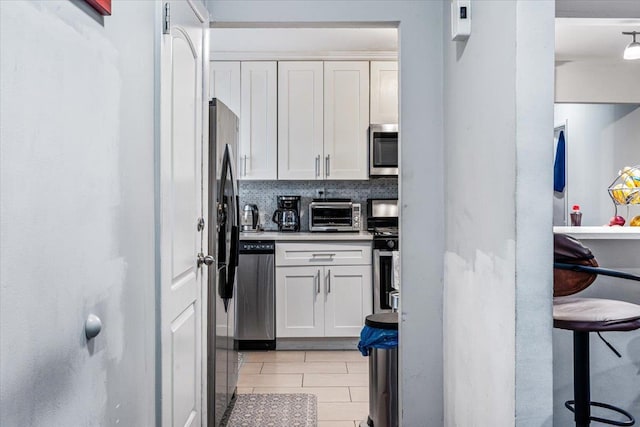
column 584, row 316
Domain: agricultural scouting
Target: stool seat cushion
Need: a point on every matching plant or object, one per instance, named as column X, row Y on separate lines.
column 595, row 314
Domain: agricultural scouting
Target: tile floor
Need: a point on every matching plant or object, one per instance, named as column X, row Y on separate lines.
column 340, row 379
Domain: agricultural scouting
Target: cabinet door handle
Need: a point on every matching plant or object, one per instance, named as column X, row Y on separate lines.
column 327, row 165
column 318, row 165
column 323, row 254
column 318, row 282
column 329, row 282
column 245, row 165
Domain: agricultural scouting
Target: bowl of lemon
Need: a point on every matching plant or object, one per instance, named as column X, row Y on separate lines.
column 625, row 189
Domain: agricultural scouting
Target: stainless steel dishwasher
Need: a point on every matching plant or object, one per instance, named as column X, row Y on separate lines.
column 255, row 327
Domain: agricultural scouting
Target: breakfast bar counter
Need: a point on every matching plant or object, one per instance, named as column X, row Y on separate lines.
column 601, row 232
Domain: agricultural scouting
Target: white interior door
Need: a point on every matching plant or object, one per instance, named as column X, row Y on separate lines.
column 181, row 187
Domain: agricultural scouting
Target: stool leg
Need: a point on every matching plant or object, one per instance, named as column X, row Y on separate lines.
column 581, row 385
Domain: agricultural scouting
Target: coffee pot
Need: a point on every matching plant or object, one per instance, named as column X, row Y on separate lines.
column 287, row 216
column 250, row 218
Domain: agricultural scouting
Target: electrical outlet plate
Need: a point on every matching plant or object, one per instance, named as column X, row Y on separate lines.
column 460, row 20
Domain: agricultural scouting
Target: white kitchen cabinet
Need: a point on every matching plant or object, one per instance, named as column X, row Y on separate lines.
column 300, row 130
column 224, row 83
column 324, row 253
column 299, row 302
column 348, row 300
column 258, row 149
column 346, row 119
column 384, row 92
column 322, row 301
column 323, row 116
column 321, row 296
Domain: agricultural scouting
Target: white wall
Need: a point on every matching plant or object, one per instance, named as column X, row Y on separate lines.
column 601, row 140
column 597, row 81
column 77, row 213
column 421, row 191
column 497, row 289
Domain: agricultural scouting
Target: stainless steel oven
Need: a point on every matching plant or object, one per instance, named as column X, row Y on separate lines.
column 385, row 284
column 382, row 220
column 383, row 150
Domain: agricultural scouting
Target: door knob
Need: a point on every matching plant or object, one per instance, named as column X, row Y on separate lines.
column 92, row 326
column 205, row 259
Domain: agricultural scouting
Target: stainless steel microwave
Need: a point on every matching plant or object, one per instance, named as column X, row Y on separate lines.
column 383, row 150
column 334, row 215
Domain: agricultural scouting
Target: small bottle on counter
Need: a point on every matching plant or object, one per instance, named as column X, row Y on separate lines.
column 576, row 216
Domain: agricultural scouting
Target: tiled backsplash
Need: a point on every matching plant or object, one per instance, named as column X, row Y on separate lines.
column 264, row 194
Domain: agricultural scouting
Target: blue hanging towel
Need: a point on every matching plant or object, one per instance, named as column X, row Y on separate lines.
column 558, row 165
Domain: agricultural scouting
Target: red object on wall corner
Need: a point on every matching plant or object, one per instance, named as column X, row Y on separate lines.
column 102, row 6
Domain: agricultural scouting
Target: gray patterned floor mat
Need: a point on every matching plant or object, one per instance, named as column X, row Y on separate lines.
column 272, row 410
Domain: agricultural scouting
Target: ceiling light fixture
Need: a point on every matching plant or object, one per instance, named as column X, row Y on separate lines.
column 632, row 51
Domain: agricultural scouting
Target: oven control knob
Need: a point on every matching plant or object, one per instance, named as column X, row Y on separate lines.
column 391, row 244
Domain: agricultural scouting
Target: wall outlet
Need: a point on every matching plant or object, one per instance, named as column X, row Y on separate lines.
column 265, row 219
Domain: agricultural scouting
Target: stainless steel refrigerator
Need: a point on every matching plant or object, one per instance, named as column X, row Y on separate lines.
column 223, row 237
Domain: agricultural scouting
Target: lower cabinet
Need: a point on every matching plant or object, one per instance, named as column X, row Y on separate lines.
column 322, row 301
column 349, row 300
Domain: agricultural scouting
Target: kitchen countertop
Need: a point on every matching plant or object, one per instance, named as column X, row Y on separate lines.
column 305, row 236
column 601, row 233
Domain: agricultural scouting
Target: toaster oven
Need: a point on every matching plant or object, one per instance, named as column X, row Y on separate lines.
column 334, row 215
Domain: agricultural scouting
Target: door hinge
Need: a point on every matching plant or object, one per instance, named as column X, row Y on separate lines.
column 167, row 19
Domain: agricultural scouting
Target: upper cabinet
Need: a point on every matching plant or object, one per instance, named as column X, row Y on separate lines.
column 384, row 92
column 258, row 150
column 224, row 83
column 306, row 120
column 300, row 109
column 323, row 115
column 249, row 89
column 346, row 119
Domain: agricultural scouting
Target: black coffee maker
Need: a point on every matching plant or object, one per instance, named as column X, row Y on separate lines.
column 287, row 216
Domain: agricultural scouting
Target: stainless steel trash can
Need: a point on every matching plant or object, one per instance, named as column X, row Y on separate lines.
column 383, row 376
